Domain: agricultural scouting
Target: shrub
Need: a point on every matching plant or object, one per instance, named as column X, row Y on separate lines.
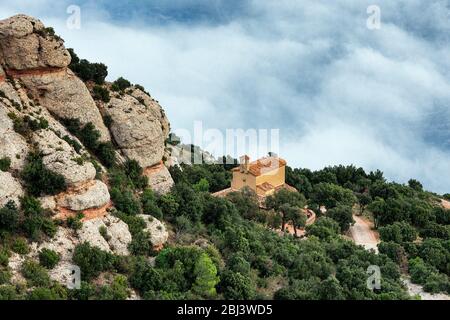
column 4, row 258
column 135, row 224
column 135, row 173
column 5, row 164
column 118, row 290
column 5, row 276
column 54, row 293
column 125, row 201
column 121, row 84
column 91, row 260
column 48, row 258
column 9, row 217
column 75, row 222
column 106, row 154
column 101, row 93
column 36, row 222
column 107, row 119
column 90, row 136
column 149, row 204
column 104, row 233
column 20, row 246
column 8, row 293
column 140, row 244
column 73, row 143
column 86, row 70
column 39, row 180
column 36, row 275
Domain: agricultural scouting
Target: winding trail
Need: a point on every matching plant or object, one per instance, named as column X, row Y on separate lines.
column 362, row 233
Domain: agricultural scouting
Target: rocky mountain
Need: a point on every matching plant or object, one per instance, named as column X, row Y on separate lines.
column 50, row 121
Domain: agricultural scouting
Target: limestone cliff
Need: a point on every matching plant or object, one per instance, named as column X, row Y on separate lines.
column 39, row 96
column 36, row 85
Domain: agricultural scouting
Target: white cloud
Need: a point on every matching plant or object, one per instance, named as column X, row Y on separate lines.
column 339, row 92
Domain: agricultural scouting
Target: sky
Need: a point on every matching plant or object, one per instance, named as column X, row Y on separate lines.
column 338, row 91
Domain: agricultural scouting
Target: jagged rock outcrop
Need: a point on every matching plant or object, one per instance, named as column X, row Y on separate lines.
column 36, row 85
column 136, row 130
column 61, row 158
column 10, row 189
column 118, row 236
column 153, row 107
column 26, row 44
column 159, row 178
column 33, row 54
column 157, row 231
column 94, row 195
column 65, row 241
column 12, row 145
column 65, row 96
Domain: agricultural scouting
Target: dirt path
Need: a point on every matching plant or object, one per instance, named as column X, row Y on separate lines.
column 362, row 233
column 446, row 204
column 415, row 289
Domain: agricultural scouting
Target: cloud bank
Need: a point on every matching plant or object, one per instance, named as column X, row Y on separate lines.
column 338, row 92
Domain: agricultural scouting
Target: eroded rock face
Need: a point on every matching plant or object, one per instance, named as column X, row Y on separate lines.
column 93, row 195
column 154, row 108
column 26, row 44
column 118, row 234
column 159, row 179
column 156, row 229
column 65, row 241
column 10, row 189
column 65, row 96
column 12, row 144
column 61, row 158
column 137, row 131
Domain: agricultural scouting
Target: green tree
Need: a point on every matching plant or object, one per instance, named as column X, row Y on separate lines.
column 149, row 204
column 236, row 286
column 283, row 201
column 331, row 195
column 91, row 260
column 206, row 277
column 202, row 185
column 324, row 228
column 398, row 232
column 343, row 215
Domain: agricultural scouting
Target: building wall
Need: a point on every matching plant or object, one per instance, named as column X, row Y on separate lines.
column 276, row 177
column 241, row 180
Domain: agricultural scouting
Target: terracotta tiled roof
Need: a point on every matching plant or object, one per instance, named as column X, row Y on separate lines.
column 260, row 166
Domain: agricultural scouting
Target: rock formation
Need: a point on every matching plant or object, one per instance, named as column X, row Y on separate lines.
column 38, row 92
column 157, row 231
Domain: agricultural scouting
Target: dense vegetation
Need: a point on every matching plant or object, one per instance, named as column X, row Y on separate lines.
column 225, row 248
column 229, row 247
